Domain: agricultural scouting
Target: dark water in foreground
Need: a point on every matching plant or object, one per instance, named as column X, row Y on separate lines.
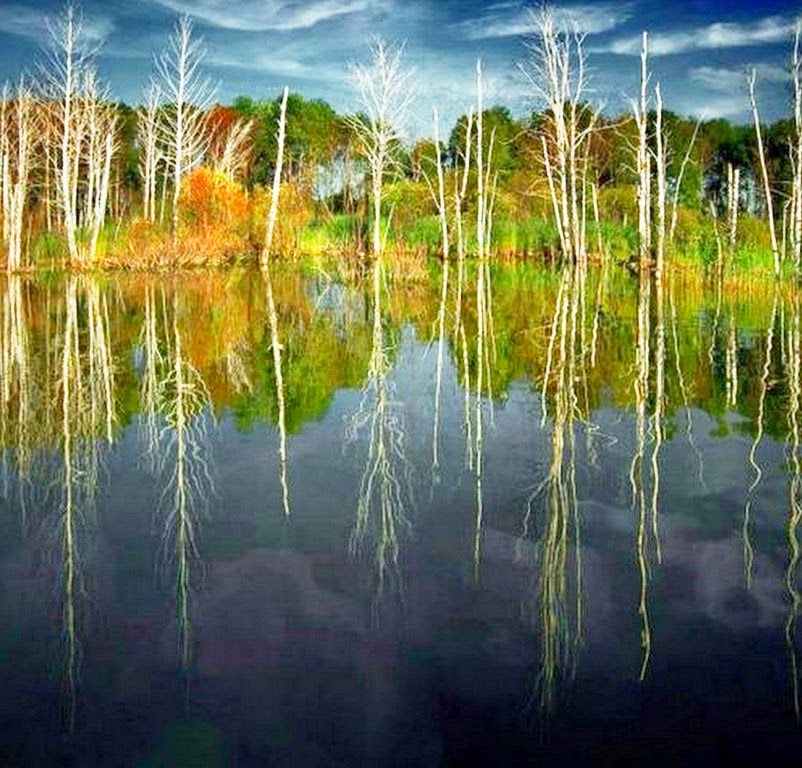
column 602, row 571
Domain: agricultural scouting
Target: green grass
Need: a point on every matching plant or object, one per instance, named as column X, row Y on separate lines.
column 330, row 234
column 48, row 249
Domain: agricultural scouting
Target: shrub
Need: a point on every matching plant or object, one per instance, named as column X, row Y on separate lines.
column 210, row 200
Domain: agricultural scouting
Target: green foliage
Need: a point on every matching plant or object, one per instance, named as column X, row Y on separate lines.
column 618, row 204
column 425, row 232
column 335, row 233
column 315, row 134
column 497, row 122
column 527, row 236
column 316, row 362
column 409, row 201
column 754, row 244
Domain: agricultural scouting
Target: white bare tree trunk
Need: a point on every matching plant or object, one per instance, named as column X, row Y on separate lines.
column 733, row 198
column 642, row 158
column 18, row 182
column 751, row 78
column 65, row 74
column 148, row 133
column 101, row 141
column 85, row 122
column 480, row 189
column 274, row 197
column 796, row 193
column 662, row 162
column 683, row 166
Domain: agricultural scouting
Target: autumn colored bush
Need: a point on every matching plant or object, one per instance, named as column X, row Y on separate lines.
column 151, row 246
column 211, row 200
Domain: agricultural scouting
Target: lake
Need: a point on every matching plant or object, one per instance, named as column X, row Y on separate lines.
column 521, row 515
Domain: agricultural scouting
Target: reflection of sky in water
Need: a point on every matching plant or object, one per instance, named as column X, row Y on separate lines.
column 290, row 663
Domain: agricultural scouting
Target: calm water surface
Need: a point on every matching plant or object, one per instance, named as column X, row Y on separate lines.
column 532, row 518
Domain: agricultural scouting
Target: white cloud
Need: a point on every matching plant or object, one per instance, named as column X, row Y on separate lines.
column 279, row 65
column 729, row 80
column 24, row 21
column 772, row 29
column 510, row 20
column 287, row 65
column 290, row 56
column 260, row 15
column 711, row 107
column 450, row 84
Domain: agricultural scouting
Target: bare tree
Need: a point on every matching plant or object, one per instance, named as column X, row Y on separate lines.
column 796, row 193
column 62, row 75
column 189, row 94
column 639, row 109
column 385, row 95
column 678, row 186
column 661, row 158
column 275, row 342
column 85, row 125
column 17, row 155
column 231, row 155
column 99, row 147
column 274, row 197
column 751, row 78
column 733, row 196
column 556, row 71
column 148, row 135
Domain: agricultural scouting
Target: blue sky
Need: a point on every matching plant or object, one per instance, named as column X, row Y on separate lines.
column 701, row 49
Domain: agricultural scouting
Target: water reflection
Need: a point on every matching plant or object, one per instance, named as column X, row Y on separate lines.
column 749, row 553
column 384, row 495
column 791, row 357
column 183, row 403
column 275, row 346
column 16, row 388
column 637, row 476
column 632, row 408
column 565, row 379
column 85, row 384
column 682, row 386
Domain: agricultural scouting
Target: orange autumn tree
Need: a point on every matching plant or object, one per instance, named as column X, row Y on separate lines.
column 210, row 200
column 214, row 222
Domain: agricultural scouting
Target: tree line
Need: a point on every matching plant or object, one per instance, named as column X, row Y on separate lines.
column 86, row 180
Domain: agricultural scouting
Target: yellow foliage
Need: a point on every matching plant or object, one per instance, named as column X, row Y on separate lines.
column 209, row 199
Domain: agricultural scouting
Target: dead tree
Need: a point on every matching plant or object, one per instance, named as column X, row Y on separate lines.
column 385, row 95
column 185, row 131
column 640, row 110
column 796, row 191
column 556, row 70
column 148, row 136
column 775, row 250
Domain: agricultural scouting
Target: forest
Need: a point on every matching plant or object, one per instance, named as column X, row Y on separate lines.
column 180, row 179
